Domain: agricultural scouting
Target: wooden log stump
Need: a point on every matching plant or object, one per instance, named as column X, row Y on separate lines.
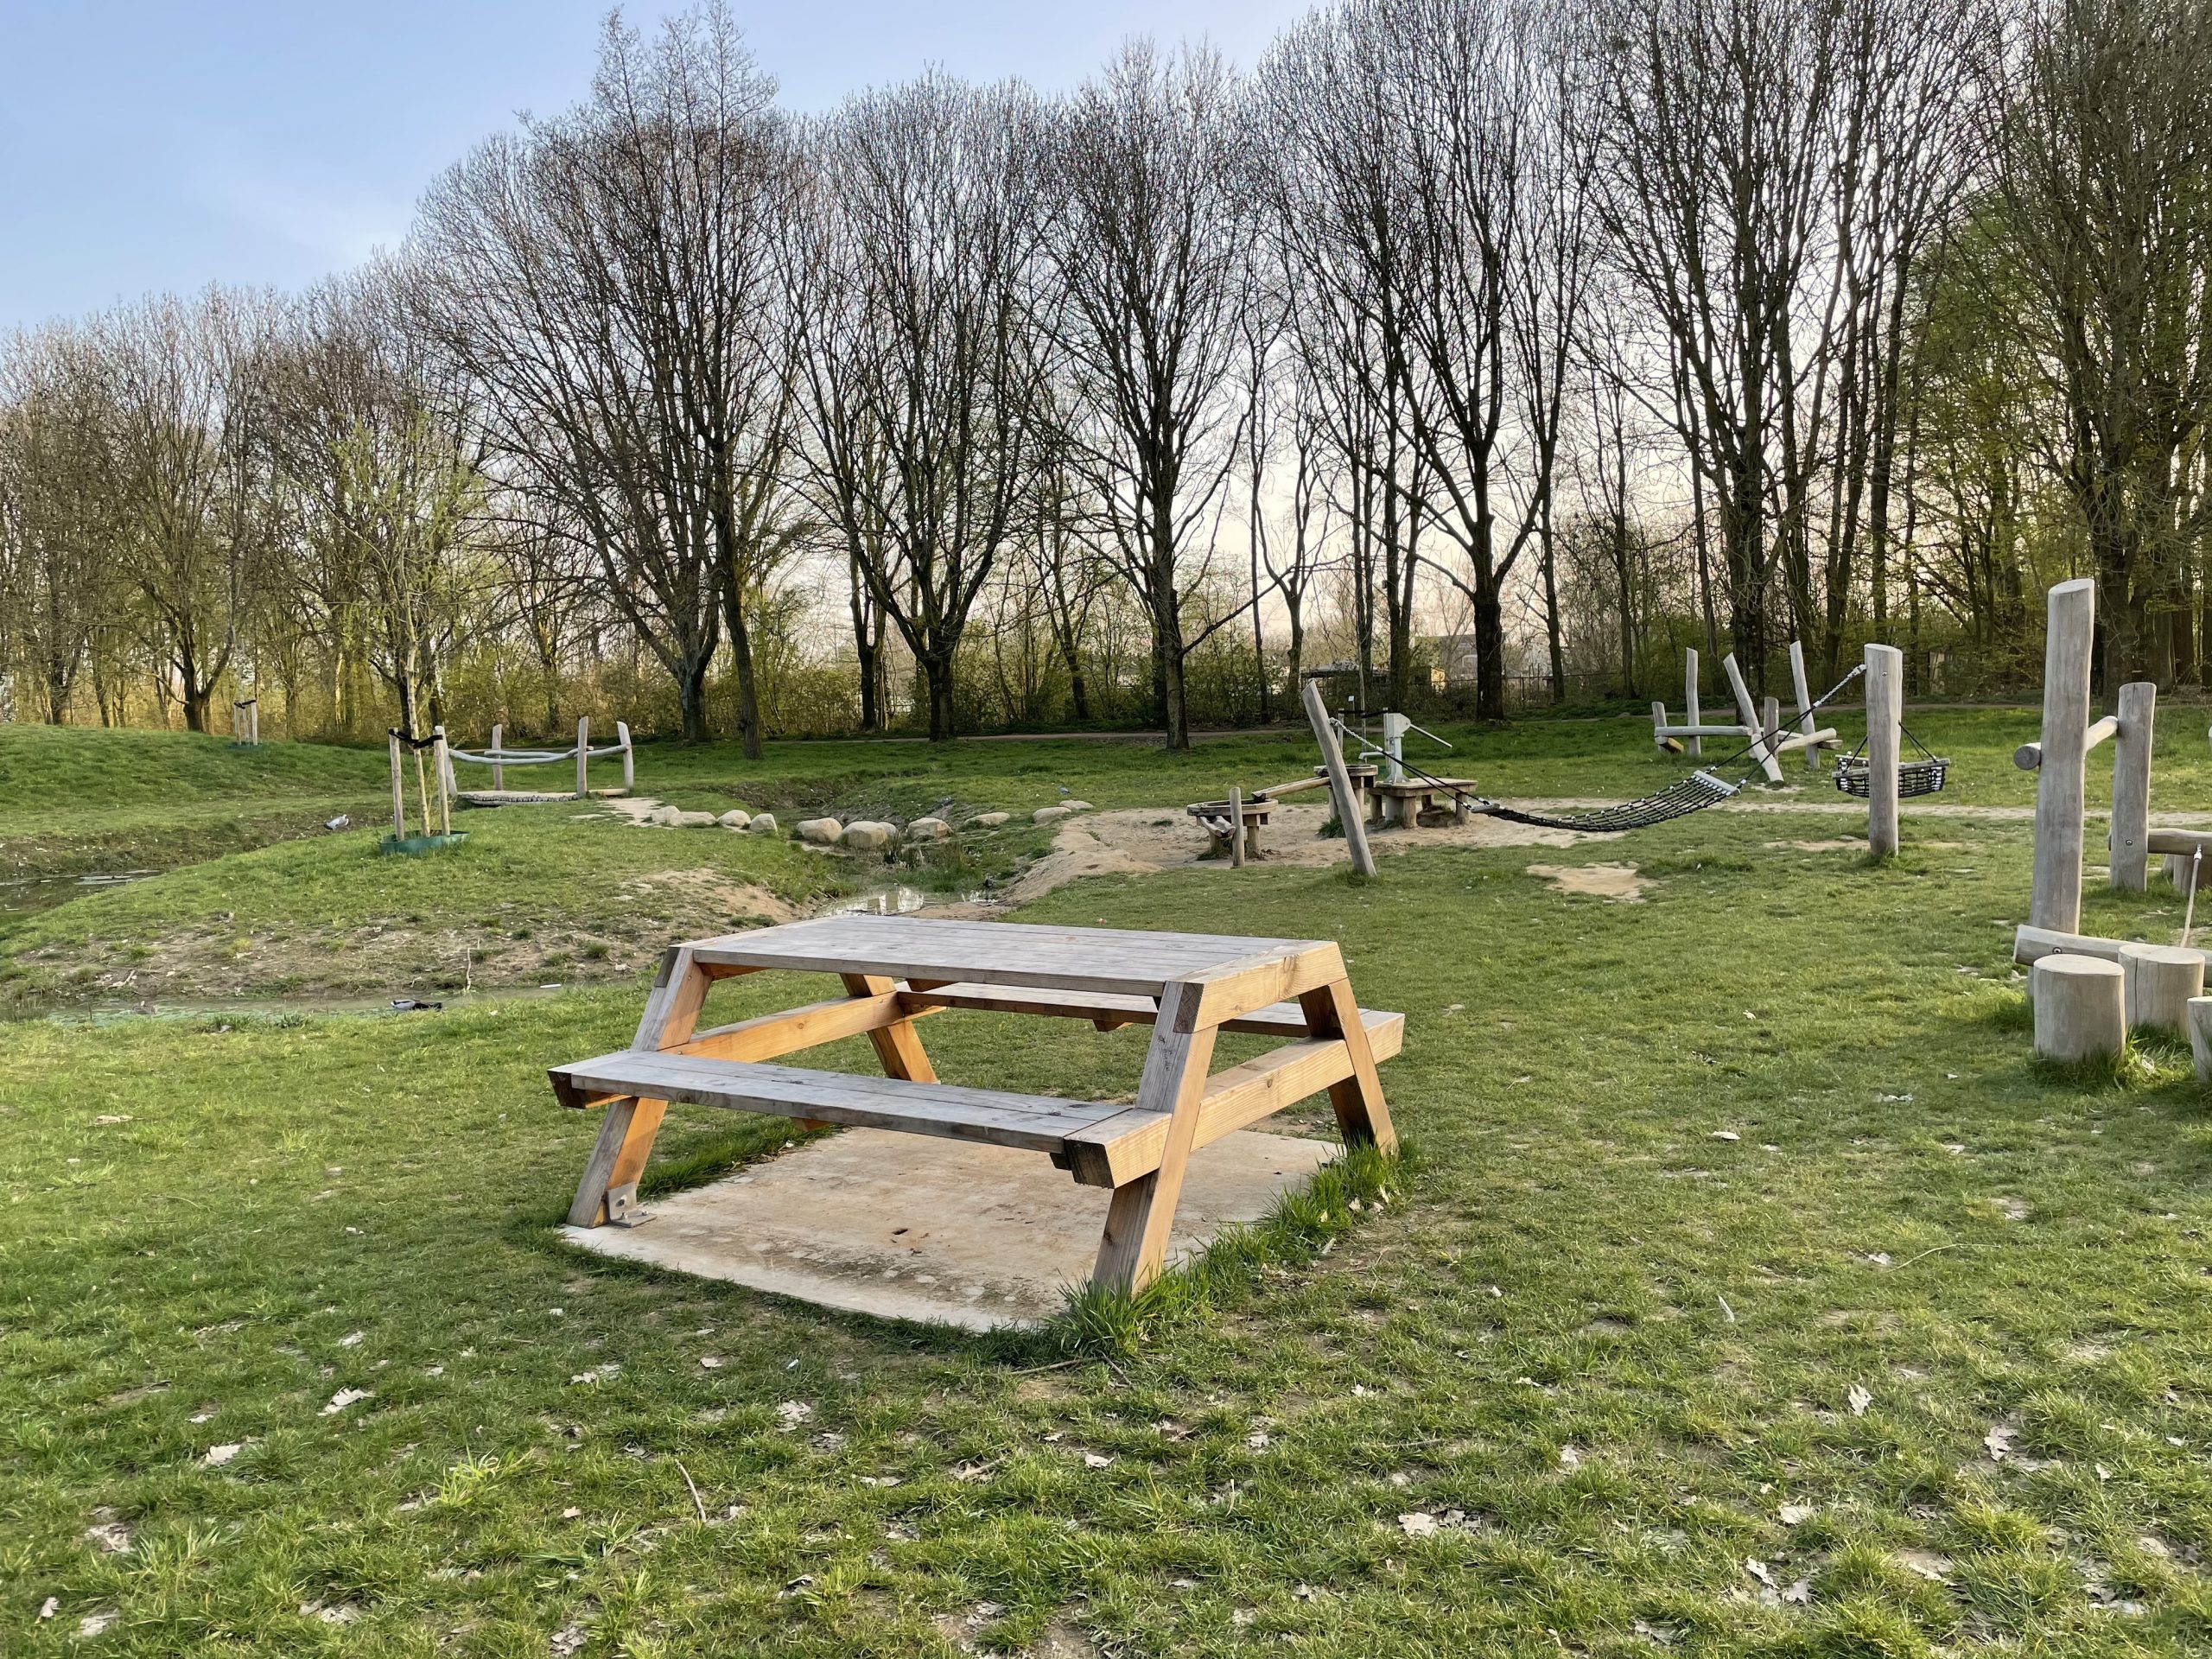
column 2080, row 1008
column 2200, row 1036
column 2161, row 979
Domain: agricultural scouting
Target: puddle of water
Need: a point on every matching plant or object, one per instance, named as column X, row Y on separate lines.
column 27, row 895
column 903, row 900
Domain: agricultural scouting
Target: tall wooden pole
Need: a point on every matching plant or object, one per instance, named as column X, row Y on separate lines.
column 1745, row 707
column 398, row 793
column 499, row 772
column 1804, row 689
column 1236, row 827
column 1696, row 745
column 1340, row 789
column 1885, row 721
column 584, row 756
column 2131, row 786
column 2055, row 902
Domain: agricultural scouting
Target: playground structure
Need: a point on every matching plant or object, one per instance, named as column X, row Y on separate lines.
column 1760, row 727
column 246, row 723
column 500, row 758
column 2088, row 993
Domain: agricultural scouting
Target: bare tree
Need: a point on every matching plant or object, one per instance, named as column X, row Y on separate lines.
column 1150, row 236
column 923, row 363
column 607, row 283
column 2105, row 124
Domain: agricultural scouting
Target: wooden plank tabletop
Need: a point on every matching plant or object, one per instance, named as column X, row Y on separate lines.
column 997, row 953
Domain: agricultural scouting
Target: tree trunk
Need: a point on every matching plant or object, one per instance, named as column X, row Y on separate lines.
column 937, row 676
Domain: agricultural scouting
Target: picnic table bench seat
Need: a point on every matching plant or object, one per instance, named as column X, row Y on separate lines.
column 897, row 971
column 1100, row 1143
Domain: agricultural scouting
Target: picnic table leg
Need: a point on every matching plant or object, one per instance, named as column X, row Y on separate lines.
column 1133, row 1248
column 1362, row 1116
column 898, row 1044
column 608, row 1190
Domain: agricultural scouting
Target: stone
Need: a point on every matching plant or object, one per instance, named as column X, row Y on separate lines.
column 694, row 821
column 1049, row 815
column 928, row 829
column 988, row 820
column 663, row 816
column 1076, row 806
column 764, row 823
column 735, row 819
column 823, row 832
column 869, row 834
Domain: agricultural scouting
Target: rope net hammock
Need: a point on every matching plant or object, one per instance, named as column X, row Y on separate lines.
column 1678, row 800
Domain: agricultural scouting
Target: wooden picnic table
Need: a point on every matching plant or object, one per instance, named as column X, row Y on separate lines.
column 896, row 970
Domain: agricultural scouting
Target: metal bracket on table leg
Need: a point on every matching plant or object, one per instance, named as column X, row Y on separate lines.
column 622, row 1206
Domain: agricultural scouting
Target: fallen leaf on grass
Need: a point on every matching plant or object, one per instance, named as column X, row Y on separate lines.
column 1418, row 1524
column 49, row 1607
column 96, row 1624
column 352, row 1338
column 1925, row 1562
column 566, row 1642
column 113, row 1536
column 792, row 1412
column 1859, row 1400
column 1796, row 1514
column 345, row 1397
column 216, row 1456
column 1759, row 1570
column 1998, row 1441
column 1799, row 1594
column 710, row 1362
column 1569, row 1458
column 1096, row 1461
column 1726, row 1135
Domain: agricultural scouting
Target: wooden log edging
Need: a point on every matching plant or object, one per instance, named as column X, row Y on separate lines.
column 2081, row 1008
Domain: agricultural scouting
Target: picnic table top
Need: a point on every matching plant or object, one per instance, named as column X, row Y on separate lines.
column 1004, row 953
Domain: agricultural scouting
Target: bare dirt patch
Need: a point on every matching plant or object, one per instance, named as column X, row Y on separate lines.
column 1620, row 883
column 1144, row 841
column 216, row 962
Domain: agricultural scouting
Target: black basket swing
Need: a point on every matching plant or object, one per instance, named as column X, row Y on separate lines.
column 1925, row 775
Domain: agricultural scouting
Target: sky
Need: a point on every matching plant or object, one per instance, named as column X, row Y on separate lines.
column 162, row 147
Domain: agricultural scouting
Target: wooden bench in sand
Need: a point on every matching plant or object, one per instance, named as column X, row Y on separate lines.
column 897, row 969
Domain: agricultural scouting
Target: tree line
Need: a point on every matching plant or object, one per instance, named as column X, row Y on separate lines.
column 1460, row 343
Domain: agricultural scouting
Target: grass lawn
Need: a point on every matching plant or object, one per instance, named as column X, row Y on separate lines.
column 1747, row 1290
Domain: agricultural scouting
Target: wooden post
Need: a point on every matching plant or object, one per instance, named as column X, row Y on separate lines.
column 1884, row 722
column 1348, row 815
column 629, row 770
column 1658, row 725
column 2199, row 1014
column 1236, row 827
column 443, row 766
column 2062, row 767
column 2080, row 1008
column 1751, row 718
column 1804, row 703
column 584, row 756
column 1689, row 701
column 398, row 793
column 2160, row 979
column 499, row 772
column 2129, row 835
column 1770, row 723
